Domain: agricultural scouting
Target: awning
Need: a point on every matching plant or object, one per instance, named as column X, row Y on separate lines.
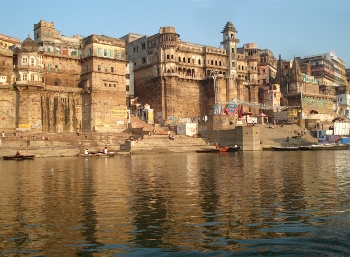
column 261, row 115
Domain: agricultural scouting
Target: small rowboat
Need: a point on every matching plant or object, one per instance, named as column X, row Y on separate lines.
column 286, row 148
column 99, row 155
column 208, row 150
column 230, row 149
column 19, row 157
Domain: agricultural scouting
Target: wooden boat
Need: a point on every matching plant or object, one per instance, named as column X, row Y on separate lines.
column 208, row 150
column 19, row 157
column 305, row 147
column 108, row 153
column 330, row 147
column 230, row 149
column 99, row 155
column 285, row 148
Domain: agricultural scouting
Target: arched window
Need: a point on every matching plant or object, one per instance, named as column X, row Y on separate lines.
column 199, row 61
column 184, row 59
column 179, row 59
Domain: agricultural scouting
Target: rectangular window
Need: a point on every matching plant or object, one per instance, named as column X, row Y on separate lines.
column 143, row 46
column 32, row 61
column 106, row 69
column 99, row 52
column 56, row 68
column 168, row 56
column 143, row 60
column 25, row 60
column 3, row 63
column 127, row 88
column 99, row 67
column 49, row 67
column 112, row 69
column 32, row 78
column 111, row 54
column 119, row 55
column 105, row 53
column 24, row 77
column 90, row 52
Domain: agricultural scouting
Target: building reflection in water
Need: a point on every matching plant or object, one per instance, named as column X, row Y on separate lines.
column 182, row 202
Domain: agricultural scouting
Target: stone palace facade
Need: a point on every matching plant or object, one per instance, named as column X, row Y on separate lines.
column 56, row 83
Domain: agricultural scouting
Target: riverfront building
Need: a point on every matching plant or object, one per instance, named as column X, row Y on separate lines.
column 56, row 83
column 311, row 85
column 183, row 81
column 64, row 84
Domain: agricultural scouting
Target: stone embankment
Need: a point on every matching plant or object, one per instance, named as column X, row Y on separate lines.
column 145, row 138
column 70, row 144
column 277, row 136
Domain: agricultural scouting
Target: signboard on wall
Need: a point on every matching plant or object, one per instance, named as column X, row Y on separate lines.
column 188, row 129
column 122, row 114
column 181, row 129
column 191, row 129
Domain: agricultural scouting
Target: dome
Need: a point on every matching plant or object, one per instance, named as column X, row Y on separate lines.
column 29, row 45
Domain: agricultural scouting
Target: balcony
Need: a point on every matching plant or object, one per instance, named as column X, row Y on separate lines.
column 29, row 83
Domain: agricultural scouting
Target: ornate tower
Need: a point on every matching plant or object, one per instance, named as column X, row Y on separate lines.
column 296, row 85
column 230, row 42
column 28, row 70
column 281, row 76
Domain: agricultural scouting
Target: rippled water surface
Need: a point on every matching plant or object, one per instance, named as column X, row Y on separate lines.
column 247, row 203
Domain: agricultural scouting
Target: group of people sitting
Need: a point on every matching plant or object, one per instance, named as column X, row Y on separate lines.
column 298, row 134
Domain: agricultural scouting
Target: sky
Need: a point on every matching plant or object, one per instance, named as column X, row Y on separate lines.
column 288, row 28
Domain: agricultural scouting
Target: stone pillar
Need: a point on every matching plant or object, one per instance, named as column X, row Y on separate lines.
column 248, row 137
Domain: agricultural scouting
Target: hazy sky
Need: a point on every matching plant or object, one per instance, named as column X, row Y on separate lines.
column 287, row 27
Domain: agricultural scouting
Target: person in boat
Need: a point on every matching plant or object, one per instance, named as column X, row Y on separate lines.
column 18, row 154
column 86, row 151
column 105, row 151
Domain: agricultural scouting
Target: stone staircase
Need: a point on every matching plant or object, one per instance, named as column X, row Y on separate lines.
column 141, row 127
column 277, row 136
column 162, row 144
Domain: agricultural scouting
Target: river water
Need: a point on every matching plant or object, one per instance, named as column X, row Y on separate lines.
column 185, row 204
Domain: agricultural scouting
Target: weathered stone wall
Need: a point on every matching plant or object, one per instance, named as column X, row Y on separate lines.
column 248, row 137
